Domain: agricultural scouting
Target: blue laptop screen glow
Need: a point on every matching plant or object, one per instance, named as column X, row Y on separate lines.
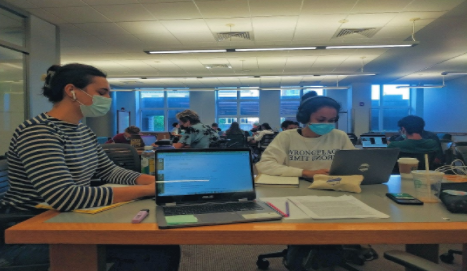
column 191, row 173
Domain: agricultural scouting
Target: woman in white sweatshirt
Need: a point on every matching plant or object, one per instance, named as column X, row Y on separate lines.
column 310, row 150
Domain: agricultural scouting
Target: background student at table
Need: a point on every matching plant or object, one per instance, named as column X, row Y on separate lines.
column 289, row 125
column 310, row 150
column 197, row 135
column 125, row 137
column 265, row 129
column 53, row 157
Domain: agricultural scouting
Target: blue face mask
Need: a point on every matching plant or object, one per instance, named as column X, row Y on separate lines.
column 321, row 128
column 404, row 136
column 99, row 107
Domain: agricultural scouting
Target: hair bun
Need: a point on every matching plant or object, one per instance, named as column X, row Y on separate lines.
column 43, row 77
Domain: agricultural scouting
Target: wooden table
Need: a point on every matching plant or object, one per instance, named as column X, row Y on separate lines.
column 76, row 244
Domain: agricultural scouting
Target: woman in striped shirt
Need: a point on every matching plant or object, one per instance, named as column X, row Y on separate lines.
column 53, row 157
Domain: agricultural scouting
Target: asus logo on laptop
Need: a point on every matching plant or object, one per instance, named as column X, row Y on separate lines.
column 208, row 197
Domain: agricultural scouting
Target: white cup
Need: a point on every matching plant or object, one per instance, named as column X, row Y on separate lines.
column 427, row 185
column 406, row 165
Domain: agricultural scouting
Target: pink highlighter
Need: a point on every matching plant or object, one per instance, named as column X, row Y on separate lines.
column 140, row 216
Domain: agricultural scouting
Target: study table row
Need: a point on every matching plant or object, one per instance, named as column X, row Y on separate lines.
column 76, row 239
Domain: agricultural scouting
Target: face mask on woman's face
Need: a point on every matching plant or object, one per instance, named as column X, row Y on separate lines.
column 99, row 107
column 321, row 128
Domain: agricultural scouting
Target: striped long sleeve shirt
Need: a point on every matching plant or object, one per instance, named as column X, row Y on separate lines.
column 53, row 161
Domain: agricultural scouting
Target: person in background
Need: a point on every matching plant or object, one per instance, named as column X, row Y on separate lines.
column 197, row 135
column 215, row 127
column 255, row 128
column 289, row 125
column 265, row 129
column 125, row 137
column 52, row 159
column 307, row 151
column 411, row 130
column 175, row 129
column 297, row 124
column 234, row 129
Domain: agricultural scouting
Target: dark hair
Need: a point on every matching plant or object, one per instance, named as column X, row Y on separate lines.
column 132, row 130
column 286, row 124
column 311, row 102
column 57, row 78
column 188, row 115
column 296, row 123
column 214, row 124
column 234, row 129
column 412, row 124
column 266, row 126
column 175, row 124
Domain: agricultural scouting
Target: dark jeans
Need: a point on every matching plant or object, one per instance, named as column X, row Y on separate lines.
column 125, row 257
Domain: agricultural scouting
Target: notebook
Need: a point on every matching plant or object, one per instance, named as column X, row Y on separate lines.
column 374, row 141
column 276, row 181
column 374, row 164
column 197, row 187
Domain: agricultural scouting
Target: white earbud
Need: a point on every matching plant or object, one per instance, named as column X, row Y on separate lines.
column 74, row 95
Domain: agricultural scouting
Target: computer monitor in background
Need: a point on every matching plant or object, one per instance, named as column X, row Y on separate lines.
column 374, row 141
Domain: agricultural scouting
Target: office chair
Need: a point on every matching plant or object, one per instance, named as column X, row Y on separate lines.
column 123, row 155
column 262, row 145
column 8, row 220
column 421, row 160
column 235, row 141
column 353, row 138
column 461, row 151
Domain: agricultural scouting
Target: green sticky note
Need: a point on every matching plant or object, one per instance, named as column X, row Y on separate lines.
column 180, row 219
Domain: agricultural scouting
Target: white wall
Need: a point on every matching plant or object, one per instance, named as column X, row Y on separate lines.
column 127, row 100
column 204, row 103
column 269, row 104
column 340, row 95
column 446, row 108
column 44, row 52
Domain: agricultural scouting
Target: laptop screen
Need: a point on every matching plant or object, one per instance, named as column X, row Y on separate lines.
column 374, row 142
column 201, row 172
column 148, row 139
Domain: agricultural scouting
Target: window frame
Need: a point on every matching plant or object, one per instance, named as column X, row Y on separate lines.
column 165, row 108
column 381, row 108
column 238, row 100
column 282, row 118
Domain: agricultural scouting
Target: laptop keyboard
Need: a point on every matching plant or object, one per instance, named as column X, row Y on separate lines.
column 211, row 208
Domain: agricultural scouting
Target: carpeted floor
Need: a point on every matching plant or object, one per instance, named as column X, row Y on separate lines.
column 243, row 257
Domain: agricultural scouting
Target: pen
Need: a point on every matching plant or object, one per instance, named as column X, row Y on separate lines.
column 140, row 216
column 287, row 210
column 277, row 209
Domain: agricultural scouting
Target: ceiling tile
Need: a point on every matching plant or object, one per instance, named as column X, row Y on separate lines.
column 102, row 29
column 144, row 27
column 161, row 1
column 182, row 26
column 58, row 3
column 276, row 35
column 125, row 13
column 368, row 20
column 41, row 13
column 376, row 6
column 275, row 7
column 274, row 23
column 177, row 10
column 404, row 18
column 26, row 4
column 327, row 6
column 158, row 39
column 224, row 9
column 78, row 14
column 229, row 24
column 432, row 5
column 109, row 2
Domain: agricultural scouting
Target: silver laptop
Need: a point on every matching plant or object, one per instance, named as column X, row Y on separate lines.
column 374, row 141
column 196, row 187
column 375, row 165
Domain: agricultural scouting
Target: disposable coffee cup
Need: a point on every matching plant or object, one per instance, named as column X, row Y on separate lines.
column 406, row 166
column 427, row 185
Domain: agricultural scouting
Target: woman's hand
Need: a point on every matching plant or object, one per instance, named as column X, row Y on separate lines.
column 310, row 173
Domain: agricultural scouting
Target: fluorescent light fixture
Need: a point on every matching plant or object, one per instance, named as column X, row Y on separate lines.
column 453, row 73
column 124, row 78
column 274, row 49
column 313, row 87
column 187, row 51
column 369, row 46
column 440, row 86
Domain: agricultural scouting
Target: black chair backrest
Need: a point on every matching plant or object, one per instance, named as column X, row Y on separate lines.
column 353, row 138
column 4, row 184
column 266, row 140
column 123, row 155
column 235, row 141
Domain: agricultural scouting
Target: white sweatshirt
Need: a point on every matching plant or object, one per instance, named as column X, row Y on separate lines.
column 289, row 153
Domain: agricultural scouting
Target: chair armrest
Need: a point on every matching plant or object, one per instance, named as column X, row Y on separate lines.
column 413, row 262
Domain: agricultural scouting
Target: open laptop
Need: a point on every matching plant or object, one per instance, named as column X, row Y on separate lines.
column 374, row 164
column 197, row 187
column 148, row 140
column 374, row 141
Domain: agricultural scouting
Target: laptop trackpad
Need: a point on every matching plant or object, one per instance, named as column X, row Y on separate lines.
column 219, row 217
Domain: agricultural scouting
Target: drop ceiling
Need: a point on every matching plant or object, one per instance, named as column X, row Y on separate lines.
column 113, row 35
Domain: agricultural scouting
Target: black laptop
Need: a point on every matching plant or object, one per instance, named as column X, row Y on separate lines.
column 374, row 141
column 196, row 187
column 375, row 165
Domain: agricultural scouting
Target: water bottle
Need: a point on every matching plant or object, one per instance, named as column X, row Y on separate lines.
column 148, row 161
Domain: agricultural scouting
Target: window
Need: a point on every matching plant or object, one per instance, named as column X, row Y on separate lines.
column 234, row 105
column 159, row 109
column 388, row 106
column 290, row 101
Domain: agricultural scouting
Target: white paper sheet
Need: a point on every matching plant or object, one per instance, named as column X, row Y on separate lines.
column 325, row 207
column 294, row 211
